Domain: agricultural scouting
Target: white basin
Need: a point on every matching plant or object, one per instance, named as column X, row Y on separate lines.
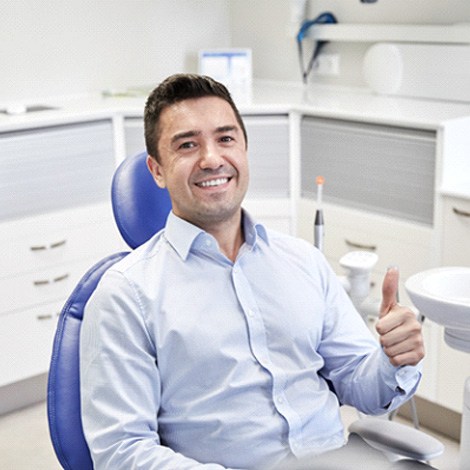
column 443, row 296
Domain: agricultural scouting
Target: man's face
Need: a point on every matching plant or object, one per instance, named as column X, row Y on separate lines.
column 203, row 160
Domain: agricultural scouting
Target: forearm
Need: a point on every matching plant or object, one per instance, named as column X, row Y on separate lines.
column 375, row 386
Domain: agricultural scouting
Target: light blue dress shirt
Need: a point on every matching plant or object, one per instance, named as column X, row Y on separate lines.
column 190, row 361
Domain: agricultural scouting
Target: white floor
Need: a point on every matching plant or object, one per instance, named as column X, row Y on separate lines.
column 25, row 444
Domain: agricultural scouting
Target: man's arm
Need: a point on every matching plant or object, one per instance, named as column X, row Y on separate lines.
column 362, row 373
column 120, row 384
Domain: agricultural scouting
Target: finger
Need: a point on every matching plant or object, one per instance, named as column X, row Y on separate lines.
column 389, row 291
column 408, row 352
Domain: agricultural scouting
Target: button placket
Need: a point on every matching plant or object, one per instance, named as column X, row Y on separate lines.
column 258, row 344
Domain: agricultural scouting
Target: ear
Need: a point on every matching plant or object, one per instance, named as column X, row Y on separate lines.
column 156, row 171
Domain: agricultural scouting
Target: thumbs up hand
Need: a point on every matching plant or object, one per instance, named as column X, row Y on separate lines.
column 399, row 330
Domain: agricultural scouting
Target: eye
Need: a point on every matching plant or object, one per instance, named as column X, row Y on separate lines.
column 187, row 145
column 226, row 139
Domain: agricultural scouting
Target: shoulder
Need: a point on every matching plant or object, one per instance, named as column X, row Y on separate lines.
column 290, row 243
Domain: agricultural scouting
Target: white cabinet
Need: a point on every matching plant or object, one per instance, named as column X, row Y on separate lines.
column 55, row 222
column 454, row 366
column 456, row 232
column 269, row 193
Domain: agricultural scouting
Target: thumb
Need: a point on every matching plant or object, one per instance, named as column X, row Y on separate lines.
column 389, row 291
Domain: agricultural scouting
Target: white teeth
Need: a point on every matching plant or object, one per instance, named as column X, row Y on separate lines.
column 216, row 182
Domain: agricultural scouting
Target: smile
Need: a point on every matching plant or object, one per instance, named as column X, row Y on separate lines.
column 212, row 183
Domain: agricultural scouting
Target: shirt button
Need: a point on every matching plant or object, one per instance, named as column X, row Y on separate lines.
column 251, row 313
column 280, row 400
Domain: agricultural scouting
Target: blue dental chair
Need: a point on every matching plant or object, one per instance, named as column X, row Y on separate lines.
column 140, row 209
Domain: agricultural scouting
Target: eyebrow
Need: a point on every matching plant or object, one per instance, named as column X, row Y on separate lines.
column 188, row 134
column 184, row 135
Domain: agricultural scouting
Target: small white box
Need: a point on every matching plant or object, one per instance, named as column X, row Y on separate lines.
column 232, row 67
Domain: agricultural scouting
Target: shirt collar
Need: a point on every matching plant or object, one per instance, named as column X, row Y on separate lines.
column 182, row 234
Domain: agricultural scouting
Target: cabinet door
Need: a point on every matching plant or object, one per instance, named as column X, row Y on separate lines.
column 381, row 169
column 53, row 168
column 454, row 368
column 456, row 232
column 26, row 339
column 134, row 136
column 268, row 156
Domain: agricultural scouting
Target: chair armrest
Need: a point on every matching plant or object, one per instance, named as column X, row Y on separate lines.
column 390, row 436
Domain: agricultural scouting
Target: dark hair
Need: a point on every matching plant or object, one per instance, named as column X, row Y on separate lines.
column 178, row 88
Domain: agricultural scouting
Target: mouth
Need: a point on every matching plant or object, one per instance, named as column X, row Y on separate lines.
column 213, row 183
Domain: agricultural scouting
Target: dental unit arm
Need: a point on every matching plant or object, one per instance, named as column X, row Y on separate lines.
column 359, row 265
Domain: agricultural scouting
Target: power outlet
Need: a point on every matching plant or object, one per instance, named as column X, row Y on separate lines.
column 327, row 65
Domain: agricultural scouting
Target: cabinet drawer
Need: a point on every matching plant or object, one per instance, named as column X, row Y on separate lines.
column 456, row 232
column 26, row 338
column 396, row 242
column 41, row 287
column 44, row 241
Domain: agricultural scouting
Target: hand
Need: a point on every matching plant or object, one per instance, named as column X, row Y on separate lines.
column 400, row 331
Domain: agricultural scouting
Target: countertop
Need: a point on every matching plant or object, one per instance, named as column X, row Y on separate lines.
column 268, row 98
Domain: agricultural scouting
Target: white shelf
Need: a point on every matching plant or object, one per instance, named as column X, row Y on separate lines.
column 442, row 34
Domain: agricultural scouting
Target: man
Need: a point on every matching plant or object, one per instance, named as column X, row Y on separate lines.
column 216, row 343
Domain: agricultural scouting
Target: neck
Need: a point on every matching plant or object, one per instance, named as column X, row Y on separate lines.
column 229, row 236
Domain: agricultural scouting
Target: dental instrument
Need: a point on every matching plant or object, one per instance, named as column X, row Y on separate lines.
column 319, row 223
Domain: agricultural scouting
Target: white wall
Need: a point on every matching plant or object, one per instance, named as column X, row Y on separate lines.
column 264, row 26
column 56, row 47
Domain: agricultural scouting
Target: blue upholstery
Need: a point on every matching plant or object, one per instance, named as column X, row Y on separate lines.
column 63, row 392
column 140, row 209
column 140, row 206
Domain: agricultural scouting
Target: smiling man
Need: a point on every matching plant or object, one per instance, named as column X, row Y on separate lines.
column 218, row 342
column 201, row 159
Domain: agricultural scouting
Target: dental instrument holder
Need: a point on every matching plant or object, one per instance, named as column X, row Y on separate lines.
column 318, row 233
column 359, row 265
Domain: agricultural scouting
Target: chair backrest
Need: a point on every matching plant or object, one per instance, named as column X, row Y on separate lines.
column 140, row 209
column 63, row 389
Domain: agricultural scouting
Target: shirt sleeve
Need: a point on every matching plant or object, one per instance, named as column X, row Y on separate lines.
column 120, row 384
column 354, row 362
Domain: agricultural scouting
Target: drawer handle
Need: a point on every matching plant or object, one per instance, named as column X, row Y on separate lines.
column 460, row 212
column 360, row 246
column 38, row 248
column 62, row 278
column 58, row 244
column 45, row 247
column 47, row 316
column 44, row 282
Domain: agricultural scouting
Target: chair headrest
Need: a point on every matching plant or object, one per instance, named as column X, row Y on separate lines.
column 140, row 207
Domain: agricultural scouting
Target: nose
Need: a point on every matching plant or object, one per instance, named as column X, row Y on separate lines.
column 210, row 157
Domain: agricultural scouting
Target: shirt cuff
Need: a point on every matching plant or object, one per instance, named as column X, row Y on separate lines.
column 403, row 379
